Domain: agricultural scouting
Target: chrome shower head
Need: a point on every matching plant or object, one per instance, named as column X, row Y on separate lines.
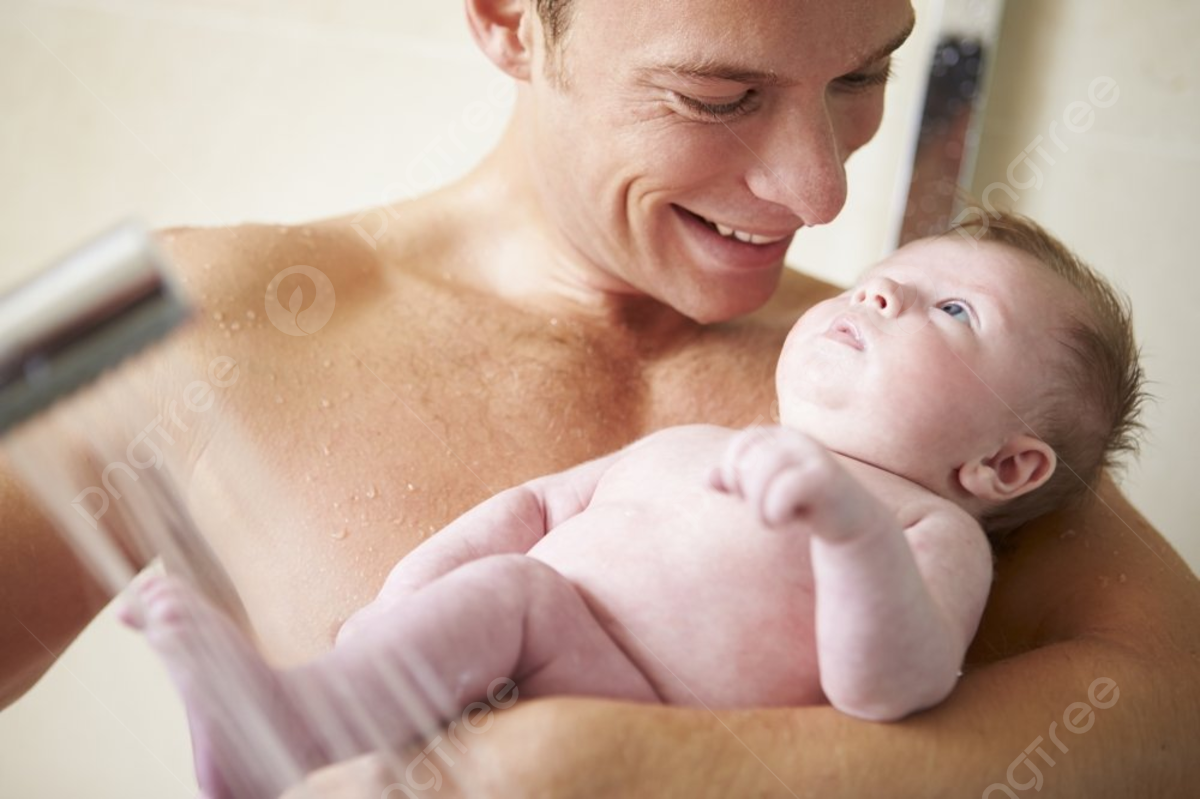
column 83, row 315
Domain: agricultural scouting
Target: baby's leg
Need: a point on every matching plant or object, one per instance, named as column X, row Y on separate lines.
column 504, row 616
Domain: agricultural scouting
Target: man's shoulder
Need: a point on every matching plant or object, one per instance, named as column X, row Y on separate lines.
column 229, row 263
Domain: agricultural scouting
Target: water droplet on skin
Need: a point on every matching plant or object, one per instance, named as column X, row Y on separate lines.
column 308, row 478
column 327, row 363
column 236, row 326
column 354, row 497
column 251, row 315
column 337, row 505
column 554, row 322
column 218, row 316
column 363, row 517
column 325, row 449
column 412, row 487
column 324, row 402
column 372, row 492
column 340, row 535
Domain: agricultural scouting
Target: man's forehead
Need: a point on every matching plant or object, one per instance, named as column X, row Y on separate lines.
column 757, row 42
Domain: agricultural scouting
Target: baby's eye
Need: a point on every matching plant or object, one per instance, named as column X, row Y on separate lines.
column 957, row 310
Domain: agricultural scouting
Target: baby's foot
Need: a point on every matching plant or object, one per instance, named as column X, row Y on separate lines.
column 234, row 700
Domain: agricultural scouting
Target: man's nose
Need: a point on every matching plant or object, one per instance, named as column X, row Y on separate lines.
column 797, row 163
column 882, row 295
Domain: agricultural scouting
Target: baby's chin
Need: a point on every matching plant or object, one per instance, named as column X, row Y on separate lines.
column 819, row 422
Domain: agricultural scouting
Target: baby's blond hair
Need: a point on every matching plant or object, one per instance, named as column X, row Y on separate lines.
column 1089, row 409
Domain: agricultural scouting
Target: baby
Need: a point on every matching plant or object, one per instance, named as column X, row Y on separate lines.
column 969, row 382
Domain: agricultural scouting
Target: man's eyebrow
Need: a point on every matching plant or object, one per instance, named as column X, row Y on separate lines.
column 892, row 45
column 715, row 70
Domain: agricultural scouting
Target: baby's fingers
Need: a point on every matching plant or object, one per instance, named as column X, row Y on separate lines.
column 727, row 476
column 786, row 498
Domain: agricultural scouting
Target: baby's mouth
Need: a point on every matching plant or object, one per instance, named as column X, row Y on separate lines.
column 845, row 330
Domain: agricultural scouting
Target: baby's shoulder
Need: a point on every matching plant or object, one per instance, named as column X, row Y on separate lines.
column 909, row 501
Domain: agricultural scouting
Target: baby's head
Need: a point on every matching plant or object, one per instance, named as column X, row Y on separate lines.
column 988, row 364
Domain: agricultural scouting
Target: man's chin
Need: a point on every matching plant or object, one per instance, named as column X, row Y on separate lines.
column 726, row 299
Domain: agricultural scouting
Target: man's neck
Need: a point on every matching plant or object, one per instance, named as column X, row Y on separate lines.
column 506, row 245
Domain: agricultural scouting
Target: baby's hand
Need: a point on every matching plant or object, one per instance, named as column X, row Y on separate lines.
column 790, row 478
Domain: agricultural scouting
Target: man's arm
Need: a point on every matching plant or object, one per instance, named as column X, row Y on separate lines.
column 47, row 595
column 1083, row 596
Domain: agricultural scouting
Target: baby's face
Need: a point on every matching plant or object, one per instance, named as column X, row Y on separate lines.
column 934, row 358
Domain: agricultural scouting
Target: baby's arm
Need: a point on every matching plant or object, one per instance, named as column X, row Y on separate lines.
column 895, row 609
column 509, row 522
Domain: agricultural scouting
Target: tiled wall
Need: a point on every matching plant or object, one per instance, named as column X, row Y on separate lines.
column 213, row 111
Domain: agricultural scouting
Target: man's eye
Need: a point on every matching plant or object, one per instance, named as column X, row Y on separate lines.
column 861, row 81
column 718, row 112
column 957, row 310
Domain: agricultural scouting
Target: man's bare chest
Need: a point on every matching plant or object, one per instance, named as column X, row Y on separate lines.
column 382, row 431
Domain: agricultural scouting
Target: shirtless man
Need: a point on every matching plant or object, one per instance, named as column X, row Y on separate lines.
column 560, row 302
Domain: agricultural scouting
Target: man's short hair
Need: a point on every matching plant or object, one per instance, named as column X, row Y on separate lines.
column 1088, row 409
column 553, row 14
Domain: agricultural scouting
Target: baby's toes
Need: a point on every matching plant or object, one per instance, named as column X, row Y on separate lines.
column 168, row 603
column 174, row 616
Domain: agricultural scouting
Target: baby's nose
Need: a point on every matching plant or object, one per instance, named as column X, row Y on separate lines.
column 881, row 294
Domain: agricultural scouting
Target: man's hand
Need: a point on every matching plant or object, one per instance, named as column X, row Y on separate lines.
column 790, row 478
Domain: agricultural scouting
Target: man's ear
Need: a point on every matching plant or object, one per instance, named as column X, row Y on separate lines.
column 504, row 30
column 1023, row 464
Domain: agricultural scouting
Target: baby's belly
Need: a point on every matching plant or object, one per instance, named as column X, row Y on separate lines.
column 715, row 609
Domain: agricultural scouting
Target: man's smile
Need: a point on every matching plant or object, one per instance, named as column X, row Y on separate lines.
column 736, row 247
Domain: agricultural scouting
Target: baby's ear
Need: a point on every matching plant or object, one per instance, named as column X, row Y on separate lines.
column 1023, row 464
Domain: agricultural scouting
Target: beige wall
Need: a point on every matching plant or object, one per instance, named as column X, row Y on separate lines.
column 213, row 111
column 1120, row 192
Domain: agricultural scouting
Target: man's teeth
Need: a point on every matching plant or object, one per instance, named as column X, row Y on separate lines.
column 749, row 238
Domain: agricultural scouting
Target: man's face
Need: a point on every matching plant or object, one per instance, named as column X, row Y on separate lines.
column 936, row 357
column 673, row 122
